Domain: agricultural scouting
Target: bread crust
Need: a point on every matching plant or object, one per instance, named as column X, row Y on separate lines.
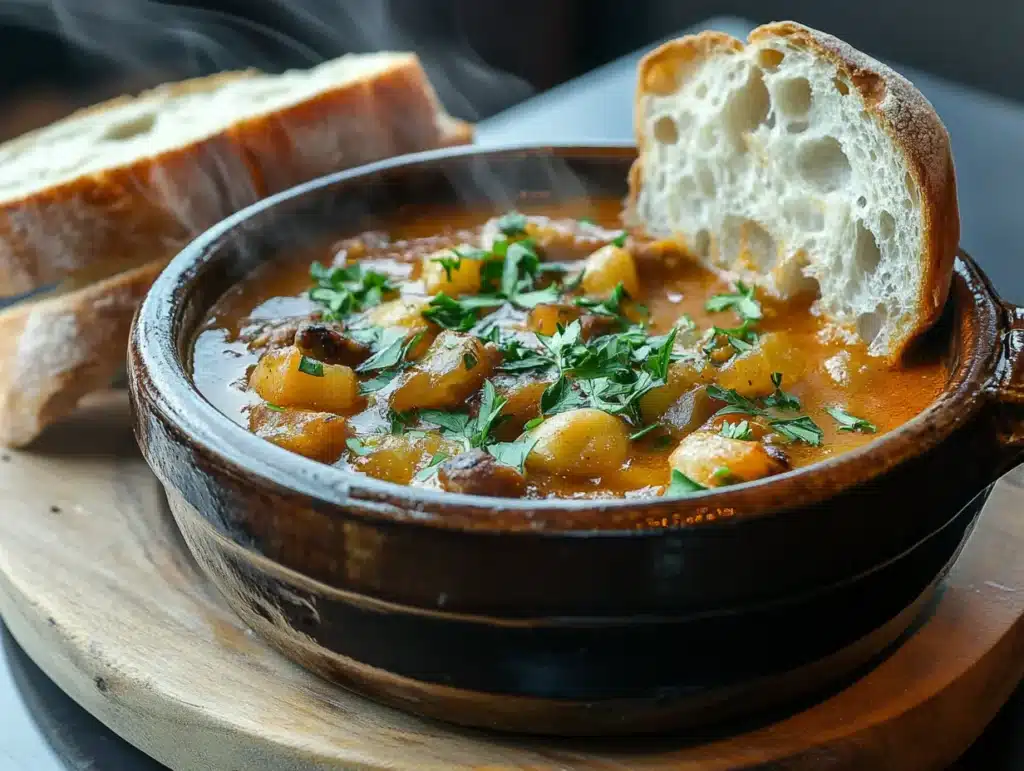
column 154, row 205
column 57, row 350
column 893, row 102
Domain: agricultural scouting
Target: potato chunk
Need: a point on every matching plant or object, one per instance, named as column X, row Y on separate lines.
column 545, row 318
column 683, row 376
column 398, row 457
column 750, row 373
column 317, row 435
column 478, row 473
column 523, row 394
column 278, row 380
column 464, row 278
column 454, row 367
column 714, row 460
column 608, row 267
column 404, row 313
column 579, row 443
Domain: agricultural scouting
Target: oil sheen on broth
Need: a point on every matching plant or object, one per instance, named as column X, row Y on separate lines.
column 537, row 355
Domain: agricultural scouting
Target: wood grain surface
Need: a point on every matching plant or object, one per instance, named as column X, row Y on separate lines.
column 97, row 586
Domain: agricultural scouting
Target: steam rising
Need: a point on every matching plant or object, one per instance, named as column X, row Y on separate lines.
column 161, row 41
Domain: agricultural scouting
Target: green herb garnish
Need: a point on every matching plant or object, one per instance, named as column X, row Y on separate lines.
column 848, row 422
column 273, row 407
column 801, row 429
column 798, row 429
column 743, row 301
column 431, row 468
column 470, row 431
column 680, row 484
column 358, row 447
column 739, row 430
column 644, row 431
column 779, row 398
column 310, row 366
column 346, row 290
column 620, row 239
column 513, row 454
column 512, row 223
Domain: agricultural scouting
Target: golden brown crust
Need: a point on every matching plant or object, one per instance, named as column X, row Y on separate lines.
column 155, row 205
column 900, row 109
column 57, row 350
column 914, row 127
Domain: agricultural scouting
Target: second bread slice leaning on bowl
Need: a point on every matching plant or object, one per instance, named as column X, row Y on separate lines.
column 97, row 203
column 797, row 163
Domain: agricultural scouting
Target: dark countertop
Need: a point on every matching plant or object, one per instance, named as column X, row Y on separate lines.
column 41, row 729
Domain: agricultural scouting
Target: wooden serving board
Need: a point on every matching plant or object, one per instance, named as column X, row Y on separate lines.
column 98, row 588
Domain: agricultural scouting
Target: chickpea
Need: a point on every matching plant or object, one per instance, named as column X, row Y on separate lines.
column 454, row 367
column 608, row 267
column 317, row 435
column 461, row 279
column 713, row 460
column 278, row 380
column 582, row 443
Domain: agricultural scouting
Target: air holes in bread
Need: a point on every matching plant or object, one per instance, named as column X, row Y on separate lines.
column 886, row 225
column 666, row 131
column 705, row 181
column 702, row 243
column 770, row 59
column 911, row 186
column 129, row 129
column 796, row 126
column 804, row 215
column 870, row 324
column 758, row 246
column 823, row 164
column 748, row 106
column 862, row 202
column 793, row 97
column 841, row 86
column 867, row 254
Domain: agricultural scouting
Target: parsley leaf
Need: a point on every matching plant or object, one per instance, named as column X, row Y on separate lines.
column 347, row 289
column 743, row 301
column 848, row 422
column 357, row 447
column 620, row 239
column 310, row 366
column 399, row 422
column 471, row 432
column 798, row 429
column 739, row 430
column 458, row 314
column 680, row 485
column 273, row 407
column 801, row 429
column 512, row 223
column 644, row 431
column 449, row 263
column 431, row 468
column 779, row 398
column 513, row 453
column 392, row 350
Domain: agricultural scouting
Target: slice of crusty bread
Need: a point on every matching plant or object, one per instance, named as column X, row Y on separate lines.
column 100, row 201
column 797, row 163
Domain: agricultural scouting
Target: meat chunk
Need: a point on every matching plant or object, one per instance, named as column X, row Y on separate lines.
column 713, row 460
column 326, row 342
column 478, row 473
column 277, row 333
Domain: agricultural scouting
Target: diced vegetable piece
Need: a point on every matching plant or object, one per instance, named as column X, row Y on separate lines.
column 523, row 394
column 689, row 412
column 750, row 373
column 608, row 267
column 454, row 368
column 682, row 377
column 317, row 435
column 445, row 271
column 713, row 460
column 406, row 313
column 478, row 473
column 544, row 319
column 398, row 457
column 288, row 379
column 579, row 443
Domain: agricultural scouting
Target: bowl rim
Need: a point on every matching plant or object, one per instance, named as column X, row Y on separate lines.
column 171, row 392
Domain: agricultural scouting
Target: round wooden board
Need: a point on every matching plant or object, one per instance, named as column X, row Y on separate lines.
column 97, row 586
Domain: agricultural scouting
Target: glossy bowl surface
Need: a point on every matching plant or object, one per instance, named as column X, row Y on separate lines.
column 560, row 616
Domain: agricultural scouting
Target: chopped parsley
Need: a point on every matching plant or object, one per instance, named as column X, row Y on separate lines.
column 796, row 429
column 620, row 239
column 512, row 223
column 848, row 422
column 310, row 366
column 739, row 430
column 357, row 447
column 273, row 407
column 470, row 431
column 431, row 468
column 644, row 431
column 449, row 264
column 680, row 484
column 388, row 361
column 347, row 289
column 458, row 314
column 780, row 398
column 743, row 301
column 513, row 453
column 722, row 472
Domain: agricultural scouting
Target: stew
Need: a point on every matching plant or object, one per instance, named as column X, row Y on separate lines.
column 541, row 355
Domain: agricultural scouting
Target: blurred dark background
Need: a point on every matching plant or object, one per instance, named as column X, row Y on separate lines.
column 483, row 55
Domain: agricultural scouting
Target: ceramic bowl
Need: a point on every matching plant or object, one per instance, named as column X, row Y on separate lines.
column 562, row 617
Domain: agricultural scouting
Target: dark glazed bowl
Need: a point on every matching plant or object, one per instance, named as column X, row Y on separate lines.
column 564, row 617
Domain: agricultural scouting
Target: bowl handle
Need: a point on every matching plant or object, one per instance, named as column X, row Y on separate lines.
column 1009, row 384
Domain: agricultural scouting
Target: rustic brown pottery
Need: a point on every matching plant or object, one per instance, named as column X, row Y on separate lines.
column 562, row 617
